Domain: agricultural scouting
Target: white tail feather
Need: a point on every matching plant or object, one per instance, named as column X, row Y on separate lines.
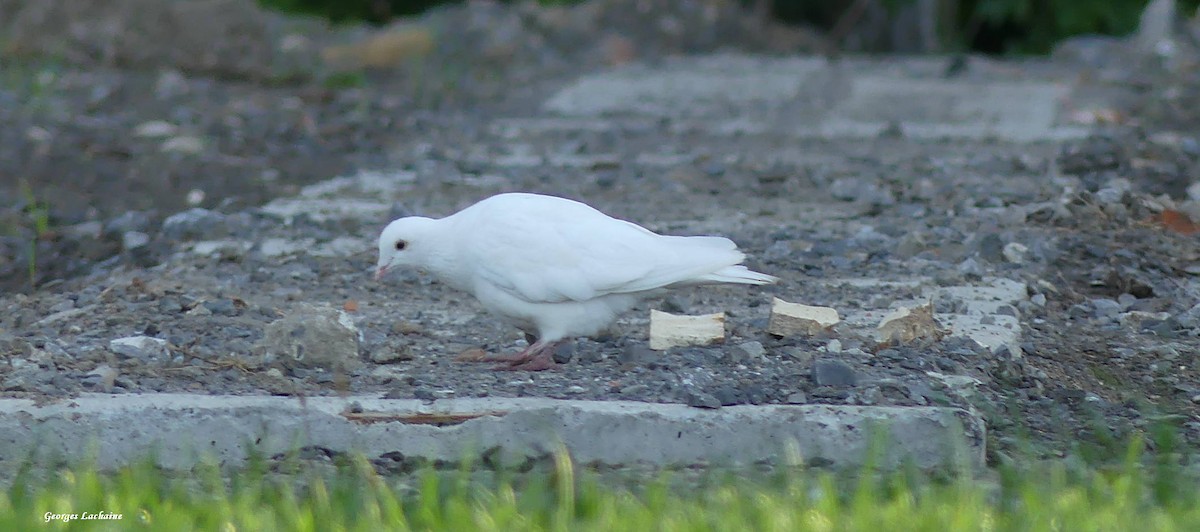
column 738, row 274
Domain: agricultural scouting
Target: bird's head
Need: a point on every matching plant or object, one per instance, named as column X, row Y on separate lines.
column 404, row 242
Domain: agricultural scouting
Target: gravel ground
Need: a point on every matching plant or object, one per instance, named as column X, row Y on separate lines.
column 116, row 154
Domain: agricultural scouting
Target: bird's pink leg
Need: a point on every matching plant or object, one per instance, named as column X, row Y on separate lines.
column 536, row 357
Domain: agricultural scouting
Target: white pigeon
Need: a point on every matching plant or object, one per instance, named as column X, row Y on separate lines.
column 554, row 267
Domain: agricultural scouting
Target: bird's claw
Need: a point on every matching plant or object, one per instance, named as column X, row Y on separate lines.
column 539, row 362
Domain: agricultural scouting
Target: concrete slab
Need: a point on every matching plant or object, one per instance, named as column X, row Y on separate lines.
column 692, row 87
column 809, row 97
column 1024, row 111
column 184, row 429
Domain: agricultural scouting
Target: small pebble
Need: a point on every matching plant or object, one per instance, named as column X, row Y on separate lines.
column 1105, row 308
column 701, row 400
column 827, row 372
column 634, row 389
column 748, row 351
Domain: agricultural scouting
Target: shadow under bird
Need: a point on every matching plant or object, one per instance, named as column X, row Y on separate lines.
column 554, row 267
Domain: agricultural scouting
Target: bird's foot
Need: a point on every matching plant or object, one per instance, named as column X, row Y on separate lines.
column 539, row 362
column 536, row 357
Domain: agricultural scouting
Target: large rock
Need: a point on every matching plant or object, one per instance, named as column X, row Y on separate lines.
column 144, row 348
column 315, row 337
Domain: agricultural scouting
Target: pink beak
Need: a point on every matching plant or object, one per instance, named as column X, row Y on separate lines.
column 380, row 272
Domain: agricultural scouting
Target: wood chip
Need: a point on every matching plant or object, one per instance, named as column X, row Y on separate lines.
column 795, row 319
column 671, row 330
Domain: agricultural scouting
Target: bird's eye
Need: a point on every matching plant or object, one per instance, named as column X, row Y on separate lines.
column 400, row 245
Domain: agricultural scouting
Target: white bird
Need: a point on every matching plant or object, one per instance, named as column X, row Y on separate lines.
column 554, row 267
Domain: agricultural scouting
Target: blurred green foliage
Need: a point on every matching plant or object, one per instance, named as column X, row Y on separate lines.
column 1033, row 26
column 990, row 26
column 373, row 11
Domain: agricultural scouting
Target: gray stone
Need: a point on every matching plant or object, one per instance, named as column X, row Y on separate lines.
column 24, row 379
column 62, row 306
column 314, row 337
column 861, row 190
column 971, row 268
column 1016, row 252
column 194, row 224
column 1103, row 308
column 11, row 346
column 868, row 237
column 144, row 348
column 564, row 352
column 132, row 240
column 386, row 355
column 697, row 357
column 700, row 399
column 727, row 396
column 826, row 372
column 222, row 307
column 128, row 222
column 100, row 379
column 1190, row 319
column 781, row 250
column 85, row 230
column 747, row 352
column 184, row 144
column 638, row 354
column 1114, row 191
column 800, row 355
column 991, row 248
column 634, row 389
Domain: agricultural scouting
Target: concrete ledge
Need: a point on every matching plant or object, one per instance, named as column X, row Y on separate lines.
column 183, row 429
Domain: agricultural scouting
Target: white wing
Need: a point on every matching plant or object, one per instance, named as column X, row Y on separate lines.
column 551, row 250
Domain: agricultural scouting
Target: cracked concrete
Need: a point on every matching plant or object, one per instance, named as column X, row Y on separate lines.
column 185, row 429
